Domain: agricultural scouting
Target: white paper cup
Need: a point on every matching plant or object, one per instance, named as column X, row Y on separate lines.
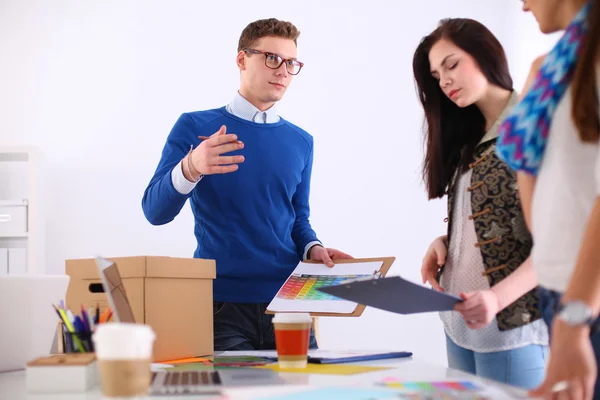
column 292, row 337
column 124, row 353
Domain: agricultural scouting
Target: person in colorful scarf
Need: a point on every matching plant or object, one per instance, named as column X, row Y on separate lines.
column 466, row 91
column 552, row 139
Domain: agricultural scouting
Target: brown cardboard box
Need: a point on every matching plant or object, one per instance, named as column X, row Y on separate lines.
column 172, row 295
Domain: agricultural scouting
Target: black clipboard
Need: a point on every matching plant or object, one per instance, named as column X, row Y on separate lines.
column 394, row 294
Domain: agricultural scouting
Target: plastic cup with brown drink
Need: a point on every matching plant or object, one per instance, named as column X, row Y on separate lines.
column 124, row 354
column 292, row 336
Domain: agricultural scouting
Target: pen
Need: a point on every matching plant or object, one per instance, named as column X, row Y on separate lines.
column 79, row 328
column 104, row 315
column 56, row 309
column 91, row 319
column 71, row 330
column 66, row 320
column 78, row 324
column 70, row 316
column 84, row 320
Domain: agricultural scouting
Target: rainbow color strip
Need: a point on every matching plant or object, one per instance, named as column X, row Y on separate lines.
column 443, row 386
column 305, row 287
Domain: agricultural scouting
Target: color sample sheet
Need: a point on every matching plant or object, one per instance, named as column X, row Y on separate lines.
column 339, row 393
column 363, row 393
column 305, row 287
column 300, row 292
column 443, row 386
column 455, row 389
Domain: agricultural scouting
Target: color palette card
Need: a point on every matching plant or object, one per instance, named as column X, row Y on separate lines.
column 306, row 287
column 442, row 386
column 300, row 292
column 442, row 390
column 338, row 393
column 360, row 393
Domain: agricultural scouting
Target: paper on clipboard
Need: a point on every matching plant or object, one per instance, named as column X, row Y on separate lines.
column 300, row 291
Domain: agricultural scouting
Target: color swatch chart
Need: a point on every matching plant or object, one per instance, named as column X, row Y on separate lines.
column 305, row 287
column 442, row 390
column 447, row 386
column 359, row 393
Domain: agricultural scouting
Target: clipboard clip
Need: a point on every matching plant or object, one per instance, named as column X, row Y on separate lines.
column 376, row 275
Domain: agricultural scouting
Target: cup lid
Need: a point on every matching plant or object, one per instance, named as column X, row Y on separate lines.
column 120, row 330
column 292, row 318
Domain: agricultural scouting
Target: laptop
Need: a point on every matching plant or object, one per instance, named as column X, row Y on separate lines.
column 115, row 290
column 166, row 382
column 29, row 323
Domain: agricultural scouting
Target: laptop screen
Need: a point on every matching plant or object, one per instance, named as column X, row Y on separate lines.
column 115, row 291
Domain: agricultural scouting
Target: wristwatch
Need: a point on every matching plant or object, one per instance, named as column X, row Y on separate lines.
column 576, row 313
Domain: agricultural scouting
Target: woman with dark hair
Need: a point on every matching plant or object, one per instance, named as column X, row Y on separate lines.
column 466, row 90
column 552, row 139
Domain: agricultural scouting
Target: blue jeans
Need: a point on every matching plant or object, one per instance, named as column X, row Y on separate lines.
column 549, row 302
column 523, row 367
column 245, row 326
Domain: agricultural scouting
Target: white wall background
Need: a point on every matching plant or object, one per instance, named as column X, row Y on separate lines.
column 98, row 86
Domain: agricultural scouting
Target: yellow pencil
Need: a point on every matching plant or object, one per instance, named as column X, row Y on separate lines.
column 71, row 330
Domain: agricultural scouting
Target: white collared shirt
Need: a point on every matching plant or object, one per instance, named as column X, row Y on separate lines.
column 240, row 107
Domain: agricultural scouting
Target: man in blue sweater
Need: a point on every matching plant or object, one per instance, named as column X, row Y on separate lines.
column 247, row 174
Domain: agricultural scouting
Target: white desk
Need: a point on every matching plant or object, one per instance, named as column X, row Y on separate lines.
column 13, row 387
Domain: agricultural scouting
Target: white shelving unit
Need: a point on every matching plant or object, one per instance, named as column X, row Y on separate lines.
column 21, row 187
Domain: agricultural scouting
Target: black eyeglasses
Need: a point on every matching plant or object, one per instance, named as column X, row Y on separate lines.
column 274, row 61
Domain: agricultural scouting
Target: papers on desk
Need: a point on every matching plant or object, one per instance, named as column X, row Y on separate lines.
column 248, row 353
column 394, row 294
column 448, row 389
column 320, row 356
column 339, row 393
column 300, row 293
column 480, row 392
column 338, row 357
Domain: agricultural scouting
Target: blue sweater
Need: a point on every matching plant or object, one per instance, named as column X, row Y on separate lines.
column 255, row 221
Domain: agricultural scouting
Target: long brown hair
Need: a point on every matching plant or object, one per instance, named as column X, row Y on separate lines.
column 451, row 132
column 584, row 94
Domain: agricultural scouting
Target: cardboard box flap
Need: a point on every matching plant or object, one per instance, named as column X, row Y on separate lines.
column 150, row 266
column 171, row 267
column 129, row 267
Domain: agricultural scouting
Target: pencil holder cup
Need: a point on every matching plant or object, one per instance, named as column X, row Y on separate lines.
column 75, row 342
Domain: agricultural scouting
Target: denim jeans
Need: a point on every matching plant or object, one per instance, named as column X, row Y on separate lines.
column 245, row 326
column 549, row 302
column 522, row 367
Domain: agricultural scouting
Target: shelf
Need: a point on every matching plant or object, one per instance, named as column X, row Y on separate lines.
column 13, row 235
column 8, row 203
column 17, row 153
column 31, row 235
